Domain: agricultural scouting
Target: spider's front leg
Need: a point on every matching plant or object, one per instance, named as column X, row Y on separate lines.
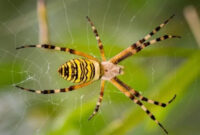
column 142, row 98
column 140, row 44
column 125, row 89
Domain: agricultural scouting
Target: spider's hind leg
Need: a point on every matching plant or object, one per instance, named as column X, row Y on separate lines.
column 53, row 91
column 57, row 48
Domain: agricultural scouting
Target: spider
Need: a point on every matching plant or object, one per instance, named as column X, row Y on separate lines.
column 88, row 69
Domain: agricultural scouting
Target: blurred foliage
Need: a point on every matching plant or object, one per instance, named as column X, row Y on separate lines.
column 7, row 72
column 158, row 72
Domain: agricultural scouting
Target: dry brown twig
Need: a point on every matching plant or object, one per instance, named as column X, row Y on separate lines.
column 193, row 21
column 43, row 23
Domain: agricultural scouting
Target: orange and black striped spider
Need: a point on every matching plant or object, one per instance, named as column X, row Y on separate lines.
column 88, row 69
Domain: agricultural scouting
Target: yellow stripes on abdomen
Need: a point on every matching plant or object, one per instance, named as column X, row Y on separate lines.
column 80, row 70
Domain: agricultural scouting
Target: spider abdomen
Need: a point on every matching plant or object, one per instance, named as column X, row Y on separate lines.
column 80, row 70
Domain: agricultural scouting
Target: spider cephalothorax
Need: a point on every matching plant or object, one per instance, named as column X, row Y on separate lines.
column 89, row 69
column 111, row 70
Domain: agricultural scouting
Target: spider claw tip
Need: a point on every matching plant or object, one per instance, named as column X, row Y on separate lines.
column 91, row 116
column 172, row 16
column 16, row 86
column 176, row 36
column 174, row 97
column 19, row 47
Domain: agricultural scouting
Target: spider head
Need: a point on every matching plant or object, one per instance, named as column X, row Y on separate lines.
column 111, row 70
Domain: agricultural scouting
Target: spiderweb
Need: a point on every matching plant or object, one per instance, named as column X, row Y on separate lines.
column 118, row 25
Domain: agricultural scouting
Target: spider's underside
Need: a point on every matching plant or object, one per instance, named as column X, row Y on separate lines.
column 86, row 70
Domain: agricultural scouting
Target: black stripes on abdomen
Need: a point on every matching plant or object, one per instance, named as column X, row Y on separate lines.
column 78, row 70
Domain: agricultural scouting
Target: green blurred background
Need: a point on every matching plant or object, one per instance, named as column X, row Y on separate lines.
column 158, row 72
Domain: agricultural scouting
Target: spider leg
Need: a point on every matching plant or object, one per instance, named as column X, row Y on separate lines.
column 142, row 98
column 99, row 101
column 64, row 49
column 137, row 94
column 53, row 91
column 154, row 31
column 124, row 89
column 98, row 39
column 155, row 41
column 130, row 50
column 134, row 48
